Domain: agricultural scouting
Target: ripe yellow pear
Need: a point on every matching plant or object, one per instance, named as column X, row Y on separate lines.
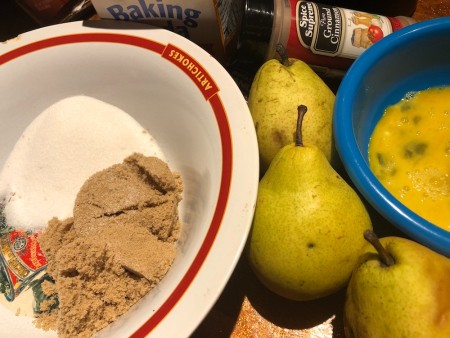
column 307, row 232
column 276, row 91
column 400, row 289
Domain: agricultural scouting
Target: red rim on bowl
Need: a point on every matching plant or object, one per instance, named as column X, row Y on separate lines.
column 211, row 92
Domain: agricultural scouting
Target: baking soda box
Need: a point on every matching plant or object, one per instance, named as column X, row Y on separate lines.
column 211, row 24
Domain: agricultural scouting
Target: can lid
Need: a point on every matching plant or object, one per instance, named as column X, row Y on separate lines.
column 257, row 21
column 254, row 39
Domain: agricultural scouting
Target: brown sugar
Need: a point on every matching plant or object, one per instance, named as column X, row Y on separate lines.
column 119, row 244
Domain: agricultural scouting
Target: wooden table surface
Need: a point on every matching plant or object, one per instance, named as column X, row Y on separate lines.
column 246, row 308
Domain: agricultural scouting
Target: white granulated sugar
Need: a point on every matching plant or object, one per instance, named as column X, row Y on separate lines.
column 59, row 150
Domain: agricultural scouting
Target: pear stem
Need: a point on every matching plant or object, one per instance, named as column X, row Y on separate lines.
column 283, row 54
column 301, row 109
column 385, row 256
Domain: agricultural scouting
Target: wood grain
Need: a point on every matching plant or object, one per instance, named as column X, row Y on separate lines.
column 431, row 9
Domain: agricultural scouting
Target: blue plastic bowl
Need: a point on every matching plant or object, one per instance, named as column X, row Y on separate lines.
column 414, row 58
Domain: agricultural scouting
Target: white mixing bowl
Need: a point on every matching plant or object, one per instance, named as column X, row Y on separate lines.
column 199, row 118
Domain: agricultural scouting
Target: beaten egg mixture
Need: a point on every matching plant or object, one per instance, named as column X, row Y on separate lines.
column 409, row 152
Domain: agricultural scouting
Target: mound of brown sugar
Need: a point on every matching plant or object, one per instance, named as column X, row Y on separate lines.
column 119, row 244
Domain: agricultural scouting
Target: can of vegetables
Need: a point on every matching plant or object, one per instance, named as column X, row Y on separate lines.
column 21, row 260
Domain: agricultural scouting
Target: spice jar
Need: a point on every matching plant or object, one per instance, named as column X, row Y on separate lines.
column 383, row 7
column 320, row 35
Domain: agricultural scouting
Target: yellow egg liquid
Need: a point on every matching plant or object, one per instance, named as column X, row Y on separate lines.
column 409, row 152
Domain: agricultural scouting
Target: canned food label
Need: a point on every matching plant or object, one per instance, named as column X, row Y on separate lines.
column 21, row 259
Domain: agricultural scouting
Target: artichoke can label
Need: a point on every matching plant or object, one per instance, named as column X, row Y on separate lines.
column 21, row 259
column 334, row 31
column 23, row 270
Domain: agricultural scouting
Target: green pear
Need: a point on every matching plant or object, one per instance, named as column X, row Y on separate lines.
column 399, row 288
column 307, row 229
column 277, row 89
